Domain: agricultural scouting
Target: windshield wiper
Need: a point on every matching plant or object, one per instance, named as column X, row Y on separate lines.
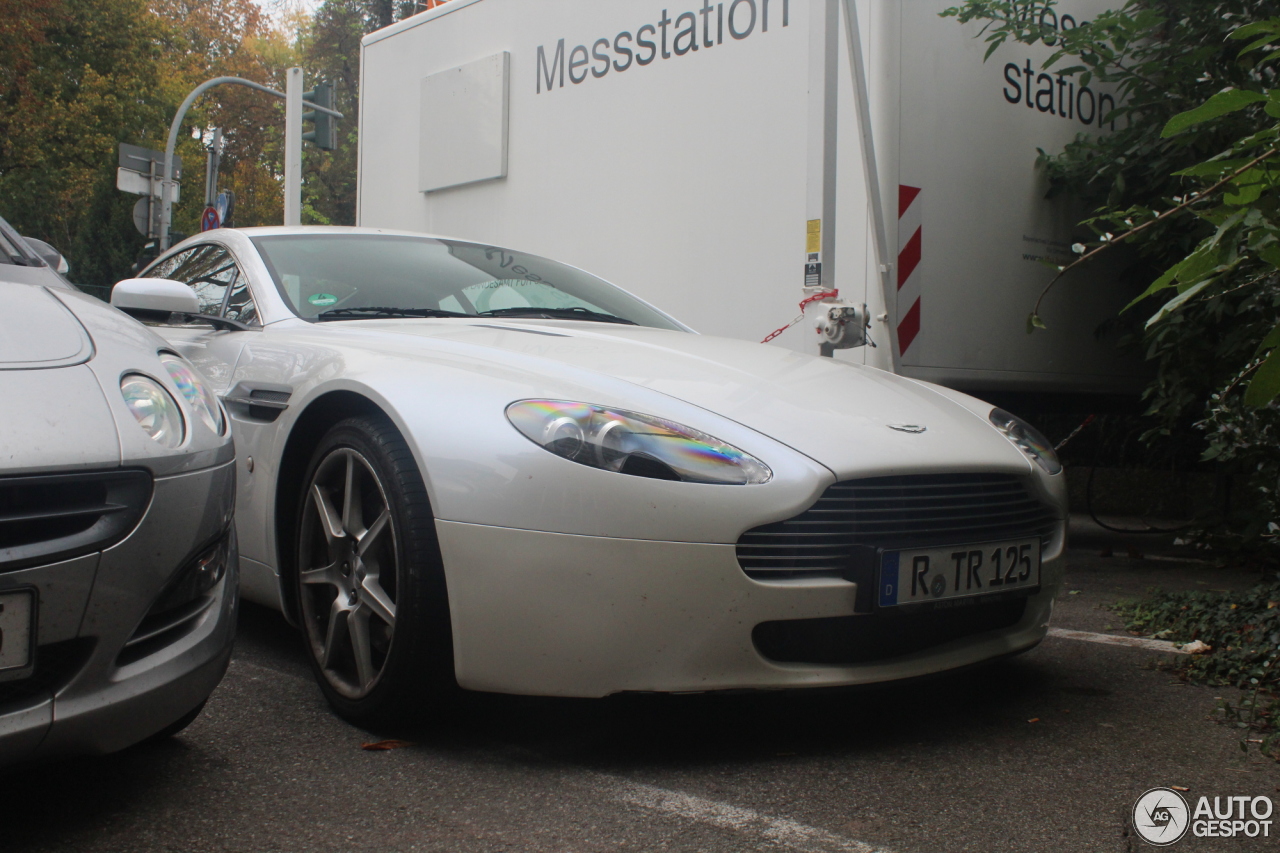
column 575, row 313
column 365, row 313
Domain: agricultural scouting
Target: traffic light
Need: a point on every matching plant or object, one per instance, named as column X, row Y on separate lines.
column 324, row 127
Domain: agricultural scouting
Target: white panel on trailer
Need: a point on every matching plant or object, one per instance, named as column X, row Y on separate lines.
column 672, row 151
column 463, row 124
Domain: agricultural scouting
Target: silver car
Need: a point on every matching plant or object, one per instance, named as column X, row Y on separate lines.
column 118, row 559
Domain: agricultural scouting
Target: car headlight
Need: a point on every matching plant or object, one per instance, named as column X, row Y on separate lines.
column 157, row 412
column 192, row 387
column 1028, row 439
column 631, row 443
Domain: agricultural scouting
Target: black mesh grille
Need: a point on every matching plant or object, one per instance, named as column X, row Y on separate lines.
column 880, row 636
column 855, row 517
column 58, row 516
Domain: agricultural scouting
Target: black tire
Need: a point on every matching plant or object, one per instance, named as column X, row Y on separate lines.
column 370, row 582
column 177, row 725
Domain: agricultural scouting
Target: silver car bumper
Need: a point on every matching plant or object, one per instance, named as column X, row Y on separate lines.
column 106, row 675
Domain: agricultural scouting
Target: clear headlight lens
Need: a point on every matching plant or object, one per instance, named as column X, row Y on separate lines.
column 157, row 412
column 193, row 388
column 1028, row 439
column 631, row 443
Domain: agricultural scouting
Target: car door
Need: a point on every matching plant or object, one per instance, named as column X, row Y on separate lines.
column 223, row 290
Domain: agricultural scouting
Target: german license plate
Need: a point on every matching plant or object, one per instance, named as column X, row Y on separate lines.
column 17, row 630
column 962, row 571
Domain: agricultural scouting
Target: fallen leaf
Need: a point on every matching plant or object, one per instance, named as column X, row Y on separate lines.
column 378, row 746
column 1196, row 647
column 1073, row 592
column 1179, row 788
column 1105, row 552
column 1034, row 720
column 1135, row 554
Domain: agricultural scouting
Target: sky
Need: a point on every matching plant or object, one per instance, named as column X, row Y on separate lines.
column 278, row 9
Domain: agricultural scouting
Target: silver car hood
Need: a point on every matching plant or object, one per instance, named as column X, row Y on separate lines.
column 846, row 416
column 38, row 331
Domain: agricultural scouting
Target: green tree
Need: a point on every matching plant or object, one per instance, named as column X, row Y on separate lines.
column 1190, row 181
column 78, row 78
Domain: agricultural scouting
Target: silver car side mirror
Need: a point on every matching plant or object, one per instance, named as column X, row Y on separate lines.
column 49, row 255
column 154, row 297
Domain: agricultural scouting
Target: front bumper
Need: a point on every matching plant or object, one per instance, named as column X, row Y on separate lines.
column 86, row 697
column 556, row 614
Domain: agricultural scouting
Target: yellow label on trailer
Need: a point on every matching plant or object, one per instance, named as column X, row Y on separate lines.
column 814, row 241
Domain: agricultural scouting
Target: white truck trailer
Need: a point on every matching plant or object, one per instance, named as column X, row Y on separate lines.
column 723, row 159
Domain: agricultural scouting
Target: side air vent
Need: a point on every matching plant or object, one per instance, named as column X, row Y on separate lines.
column 53, row 517
column 258, row 403
column 854, row 518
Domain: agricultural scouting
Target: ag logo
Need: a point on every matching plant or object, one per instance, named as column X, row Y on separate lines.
column 1161, row 817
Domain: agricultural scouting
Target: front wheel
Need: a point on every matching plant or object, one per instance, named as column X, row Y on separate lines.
column 370, row 582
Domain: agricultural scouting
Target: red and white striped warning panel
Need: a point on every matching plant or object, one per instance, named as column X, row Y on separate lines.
column 909, row 229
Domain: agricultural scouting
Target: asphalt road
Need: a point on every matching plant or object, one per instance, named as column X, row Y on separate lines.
column 950, row 764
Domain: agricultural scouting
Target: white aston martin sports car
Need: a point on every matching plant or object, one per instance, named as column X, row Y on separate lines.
column 466, row 466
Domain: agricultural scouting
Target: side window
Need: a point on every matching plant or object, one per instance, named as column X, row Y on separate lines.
column 211, row 272
column 240, row 304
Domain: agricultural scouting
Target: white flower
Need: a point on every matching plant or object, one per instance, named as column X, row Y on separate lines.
column 1108, row 237
column 1078, row 248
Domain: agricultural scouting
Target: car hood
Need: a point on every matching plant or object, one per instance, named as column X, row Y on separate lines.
column 37, row 331
column 851, row 418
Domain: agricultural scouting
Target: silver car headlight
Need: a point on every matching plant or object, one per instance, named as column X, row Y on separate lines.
column 193, row 388
column 157, row 412
column 631, row 443
column 1028, row 439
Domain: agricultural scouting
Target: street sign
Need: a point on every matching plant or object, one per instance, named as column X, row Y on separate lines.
column 135, row 158
column 226, row 205
column 209, row 219
column 140, row 184
column 146, row 216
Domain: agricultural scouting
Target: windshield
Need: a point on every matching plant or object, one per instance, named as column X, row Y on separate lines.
column 350, row 276
column 14, row 250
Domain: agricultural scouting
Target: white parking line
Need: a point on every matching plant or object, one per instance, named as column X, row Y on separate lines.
column 776, row 830
column 1113, row 640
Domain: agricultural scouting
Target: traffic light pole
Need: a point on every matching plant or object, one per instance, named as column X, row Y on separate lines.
column 293, row 146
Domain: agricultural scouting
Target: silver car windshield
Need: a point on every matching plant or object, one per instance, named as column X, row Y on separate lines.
column 356, row 276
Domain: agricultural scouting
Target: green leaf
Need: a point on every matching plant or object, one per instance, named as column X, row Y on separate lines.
column 1271, row 341
column 1220, row 104
column 1248, row 195
column 1159, row 284
column 1262, row 42
column 1256, row 28
column 1211, row 168
column 1265, row 384
column 1175, row 303
column 1034, row 322
column 1270, row 254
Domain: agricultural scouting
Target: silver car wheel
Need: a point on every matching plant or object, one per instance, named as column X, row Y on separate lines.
column 348, row 572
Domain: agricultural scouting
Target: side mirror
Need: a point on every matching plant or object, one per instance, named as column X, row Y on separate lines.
column 49, row 255
column 154, row 298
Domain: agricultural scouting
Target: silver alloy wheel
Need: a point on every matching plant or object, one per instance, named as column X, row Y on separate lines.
column 347, row 564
